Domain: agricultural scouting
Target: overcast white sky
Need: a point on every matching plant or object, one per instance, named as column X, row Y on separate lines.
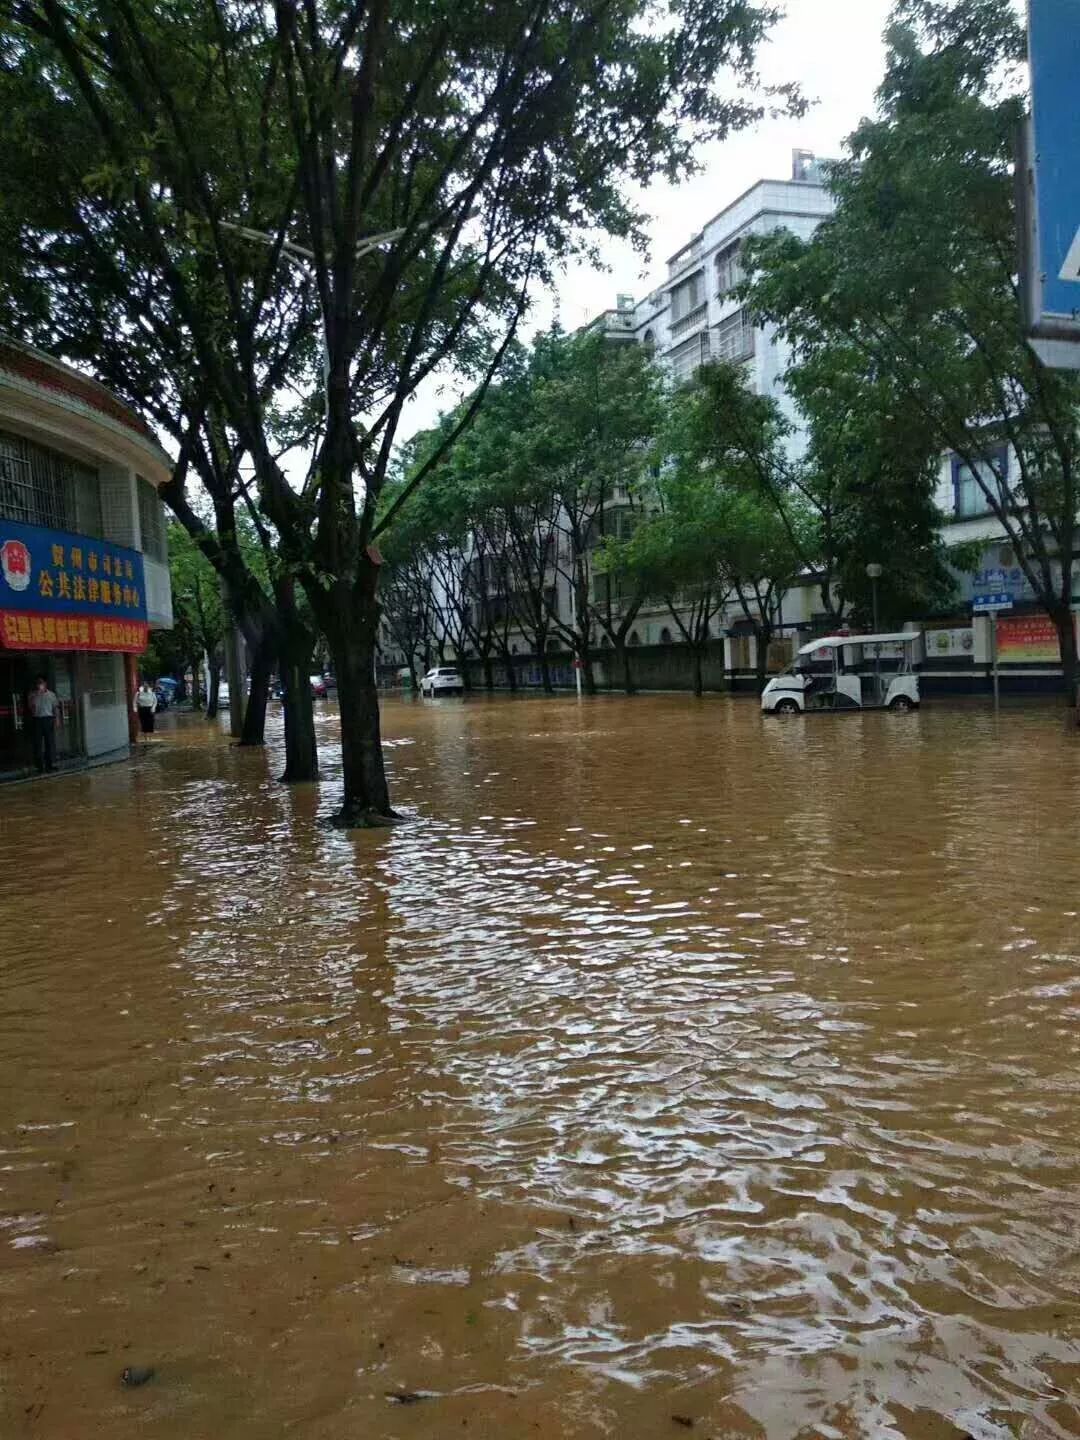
column 833, row 49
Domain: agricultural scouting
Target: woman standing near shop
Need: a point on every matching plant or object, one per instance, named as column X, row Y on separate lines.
column 145, row 705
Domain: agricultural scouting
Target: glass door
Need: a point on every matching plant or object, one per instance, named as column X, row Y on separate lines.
column 16, row 746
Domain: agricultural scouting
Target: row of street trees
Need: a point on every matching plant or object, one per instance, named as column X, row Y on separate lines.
column 267, row 226
column 586, row 474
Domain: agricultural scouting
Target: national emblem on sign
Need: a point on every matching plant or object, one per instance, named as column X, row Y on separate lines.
column 15, row 561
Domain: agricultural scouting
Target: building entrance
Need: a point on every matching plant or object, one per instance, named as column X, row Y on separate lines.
column 18, row 673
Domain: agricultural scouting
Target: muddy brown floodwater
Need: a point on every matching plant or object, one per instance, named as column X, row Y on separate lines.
column 674, row 1072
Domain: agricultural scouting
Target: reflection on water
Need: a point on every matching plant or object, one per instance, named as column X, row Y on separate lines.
column 670, row 1066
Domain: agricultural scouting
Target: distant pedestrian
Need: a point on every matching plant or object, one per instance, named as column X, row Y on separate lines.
column 145, row 705
column 44, row 708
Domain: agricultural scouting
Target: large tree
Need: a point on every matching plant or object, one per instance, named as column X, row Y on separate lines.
column 915, row 274
column 415, row 168
column 76, row 279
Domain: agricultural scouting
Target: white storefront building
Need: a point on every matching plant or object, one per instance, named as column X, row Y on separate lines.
column 84, row 572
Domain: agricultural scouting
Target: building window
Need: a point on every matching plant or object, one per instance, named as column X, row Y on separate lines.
column 969, row 494
column 106, row 680
column 729, row 270
column 151, row 522
column 43, row 487
column 686, row 359
column 665, row 636
column 688, row 295
column 734, row 338
column 649, row 340
column 634, row 638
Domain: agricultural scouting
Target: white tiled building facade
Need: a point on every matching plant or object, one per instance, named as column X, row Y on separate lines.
column 694, row 316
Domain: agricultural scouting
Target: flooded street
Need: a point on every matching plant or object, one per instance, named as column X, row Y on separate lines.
column 674, row 1072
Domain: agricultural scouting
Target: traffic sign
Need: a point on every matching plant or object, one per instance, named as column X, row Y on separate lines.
column 1050, row 188
column 981, row 604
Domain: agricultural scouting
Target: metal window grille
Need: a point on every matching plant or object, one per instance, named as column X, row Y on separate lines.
column 687, row 295
column 734, row 337
column 687, row 358
column 42, row 487
column 970, row 485
column 152, row 522
column 729, row 271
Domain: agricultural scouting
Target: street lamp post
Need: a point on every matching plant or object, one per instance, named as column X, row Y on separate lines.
column 874, row 572
column 301, row 255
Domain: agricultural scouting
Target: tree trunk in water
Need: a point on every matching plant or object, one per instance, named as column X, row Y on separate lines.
column 699, row 679
column 545, row 671
column 489, row 673
column 588, row 679
column 215, row 686
column 301, row 750
column 1065, row 625
column 761, row 660
column 511, row 673
column 623, row 652
column 351, row 629
column 262, row 669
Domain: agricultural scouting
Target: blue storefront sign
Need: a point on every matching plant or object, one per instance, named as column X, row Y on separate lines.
column 59, row 590
column 1000, row 600
column 1051, row 194
column 1055, row 106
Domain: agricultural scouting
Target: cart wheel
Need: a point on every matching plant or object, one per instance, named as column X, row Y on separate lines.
column 901, row 703
column 787, row 707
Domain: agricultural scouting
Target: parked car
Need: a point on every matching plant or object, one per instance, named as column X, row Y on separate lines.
column 443, row 680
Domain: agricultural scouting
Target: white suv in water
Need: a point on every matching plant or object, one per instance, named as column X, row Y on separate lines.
column 443, row 680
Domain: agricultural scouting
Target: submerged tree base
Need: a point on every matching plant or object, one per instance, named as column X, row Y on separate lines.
column 308, row 779
column 355, row 817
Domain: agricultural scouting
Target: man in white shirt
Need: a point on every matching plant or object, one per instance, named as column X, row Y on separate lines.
column 44, row 709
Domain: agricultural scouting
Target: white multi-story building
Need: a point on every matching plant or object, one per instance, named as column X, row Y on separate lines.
column 695, row 316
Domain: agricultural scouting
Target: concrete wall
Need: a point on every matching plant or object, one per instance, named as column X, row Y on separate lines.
column 158, row 594
column 653, row 667
column 104, row 725
column 728, row 665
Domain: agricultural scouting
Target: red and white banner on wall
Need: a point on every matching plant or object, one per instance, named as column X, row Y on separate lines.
column 23, row 630
column 1028, row 637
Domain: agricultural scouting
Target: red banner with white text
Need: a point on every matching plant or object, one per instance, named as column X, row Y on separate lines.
column 22, row 630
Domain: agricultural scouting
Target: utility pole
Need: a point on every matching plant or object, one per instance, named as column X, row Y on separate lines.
column 573, row 618
column 874, row 572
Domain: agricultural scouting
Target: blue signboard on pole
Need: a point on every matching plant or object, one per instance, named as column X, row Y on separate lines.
column 1050, row 196
column 982, row 603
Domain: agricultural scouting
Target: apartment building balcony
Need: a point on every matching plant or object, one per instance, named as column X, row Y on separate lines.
column 693, row 320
